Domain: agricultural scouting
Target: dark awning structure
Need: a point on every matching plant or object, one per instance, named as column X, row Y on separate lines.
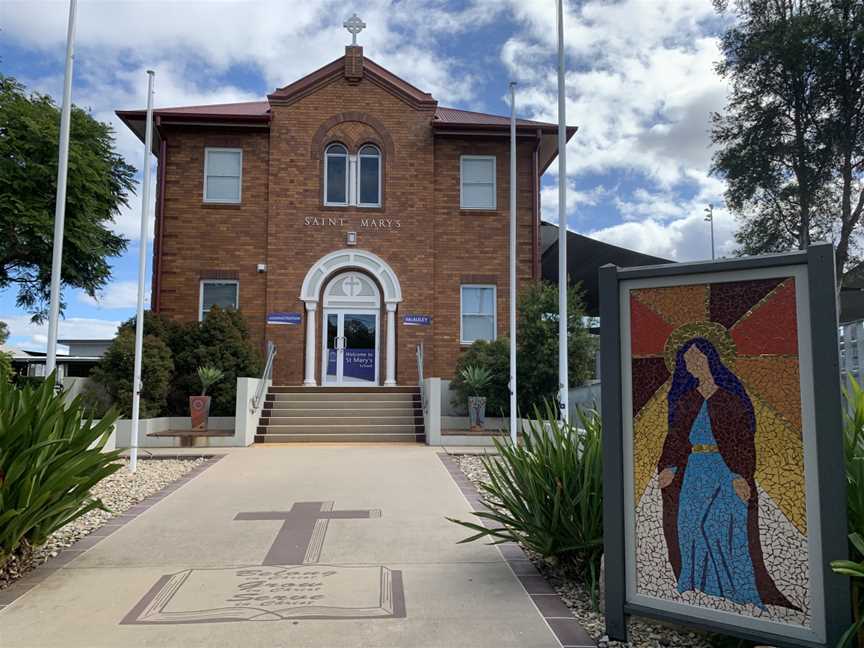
column 584, row 257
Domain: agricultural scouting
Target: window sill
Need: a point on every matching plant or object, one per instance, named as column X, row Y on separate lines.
column 478, row 212
column 218, row 205
column 380, row 208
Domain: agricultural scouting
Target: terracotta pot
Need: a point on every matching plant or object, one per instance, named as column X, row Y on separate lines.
column 199, row 408
column 477, row 412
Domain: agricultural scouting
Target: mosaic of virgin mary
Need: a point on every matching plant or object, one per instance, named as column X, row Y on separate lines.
column 706, row 473
column 718, row 456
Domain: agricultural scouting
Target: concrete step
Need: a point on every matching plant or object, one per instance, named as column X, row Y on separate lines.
column 348, row 409
column 339, row 437
column 319, row 397
column 346, row 389
column 311, row 428
column 347, row 421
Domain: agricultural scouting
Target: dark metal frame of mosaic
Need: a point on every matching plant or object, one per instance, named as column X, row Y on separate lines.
column 819, row 261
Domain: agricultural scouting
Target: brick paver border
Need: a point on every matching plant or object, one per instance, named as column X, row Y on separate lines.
column 46, row 569
column 566, row 628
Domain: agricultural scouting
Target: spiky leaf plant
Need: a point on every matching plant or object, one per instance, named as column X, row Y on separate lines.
column 50, row 458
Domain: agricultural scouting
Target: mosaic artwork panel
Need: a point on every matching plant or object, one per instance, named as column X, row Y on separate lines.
column 718, row 456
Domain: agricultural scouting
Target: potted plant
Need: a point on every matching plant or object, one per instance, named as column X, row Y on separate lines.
column 199, row 406
column 477, row 379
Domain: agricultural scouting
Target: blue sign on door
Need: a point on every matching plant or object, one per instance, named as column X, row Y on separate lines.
column 416, row 320
column 283, row 318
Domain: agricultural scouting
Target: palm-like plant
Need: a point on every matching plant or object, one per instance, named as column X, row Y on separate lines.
column 853, row 441
column 477, row 379
column 547, row 494
column 50, row 457
column 208, row 376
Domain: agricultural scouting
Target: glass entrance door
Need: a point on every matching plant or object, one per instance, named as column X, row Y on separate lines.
column 351, row 348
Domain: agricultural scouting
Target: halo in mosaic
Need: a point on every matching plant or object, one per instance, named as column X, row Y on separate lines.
column 718, row 457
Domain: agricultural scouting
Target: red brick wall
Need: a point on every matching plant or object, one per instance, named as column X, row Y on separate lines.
column 435, row 249
column 200, row 240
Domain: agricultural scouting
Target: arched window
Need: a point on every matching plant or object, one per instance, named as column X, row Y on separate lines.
column 369, row 176
column 336, row 175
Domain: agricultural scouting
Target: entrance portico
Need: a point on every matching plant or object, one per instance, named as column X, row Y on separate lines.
column 350, row 285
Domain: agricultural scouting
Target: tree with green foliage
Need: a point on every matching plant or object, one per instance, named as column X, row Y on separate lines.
column 99, row 183
column 5, row 358
column 536, row 352
column 221, row 341
column 790, row 143
column 115, row 369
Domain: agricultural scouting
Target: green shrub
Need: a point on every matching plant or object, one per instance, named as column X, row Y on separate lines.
column 177, row 350
column 5, row 367
column 50, row 458
column 495, row 358
column 547, row 494
column 853, row 441
column 115, row 370
column 536, row 352
column 220, row 341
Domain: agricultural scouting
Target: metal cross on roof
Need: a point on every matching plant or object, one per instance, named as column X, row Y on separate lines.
column 354, row 25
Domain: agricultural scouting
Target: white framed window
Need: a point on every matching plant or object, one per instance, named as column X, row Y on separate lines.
column 477, row 182
column 336, row 175
column 223, row 172
column 369, row 177
column 224, row 293
column 477, row 313
column 352, row 179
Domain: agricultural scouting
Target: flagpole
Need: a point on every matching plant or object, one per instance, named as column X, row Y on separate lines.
column 513, row 419
column 142, row 269
column 563, row 396
column 60, row 199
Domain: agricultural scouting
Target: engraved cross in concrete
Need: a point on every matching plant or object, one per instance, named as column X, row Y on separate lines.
column 303, row 529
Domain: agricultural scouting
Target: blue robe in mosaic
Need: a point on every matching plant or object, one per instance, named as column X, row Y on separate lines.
column 712, row 525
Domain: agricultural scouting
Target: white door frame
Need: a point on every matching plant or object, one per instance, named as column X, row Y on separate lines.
column 340, row 332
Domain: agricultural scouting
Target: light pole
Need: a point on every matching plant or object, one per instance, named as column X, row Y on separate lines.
column 513, row 420
column 563, row 387
column 709, row 217
column 60, row 199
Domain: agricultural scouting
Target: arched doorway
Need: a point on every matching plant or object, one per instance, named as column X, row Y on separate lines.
column 364, row 266
column 350, row 311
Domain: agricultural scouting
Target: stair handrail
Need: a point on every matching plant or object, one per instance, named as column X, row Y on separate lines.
column 265, row 377
column 420, row 376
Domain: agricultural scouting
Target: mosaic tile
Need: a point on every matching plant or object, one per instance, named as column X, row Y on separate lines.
column 718, row 458
column 729, row 301
column 678, row 305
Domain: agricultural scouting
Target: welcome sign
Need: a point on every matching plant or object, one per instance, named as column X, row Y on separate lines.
column 720, row 497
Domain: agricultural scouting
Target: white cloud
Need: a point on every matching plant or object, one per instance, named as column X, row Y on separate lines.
column 682, row 239
column 24, row 333
column 119, row 294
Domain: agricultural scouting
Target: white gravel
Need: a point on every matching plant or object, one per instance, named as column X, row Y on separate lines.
column 643, row 633
column 118, row 492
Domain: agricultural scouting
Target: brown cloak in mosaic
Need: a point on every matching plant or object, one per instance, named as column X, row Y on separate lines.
column 734, row 429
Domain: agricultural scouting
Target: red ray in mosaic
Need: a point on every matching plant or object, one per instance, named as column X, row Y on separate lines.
column 649, row 374
column 731, row 300
column 771, row 328
column 648, row 330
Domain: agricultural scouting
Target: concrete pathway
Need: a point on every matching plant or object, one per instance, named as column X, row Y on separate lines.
column 294, row 546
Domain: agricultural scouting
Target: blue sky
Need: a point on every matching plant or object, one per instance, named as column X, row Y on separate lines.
column 640, row 85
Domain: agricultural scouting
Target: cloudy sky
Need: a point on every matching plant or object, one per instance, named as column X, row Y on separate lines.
column 640, row 86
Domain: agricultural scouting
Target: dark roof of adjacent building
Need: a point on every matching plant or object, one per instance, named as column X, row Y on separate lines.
column 585, row 256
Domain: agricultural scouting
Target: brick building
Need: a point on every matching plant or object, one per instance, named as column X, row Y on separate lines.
column 349, row 217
